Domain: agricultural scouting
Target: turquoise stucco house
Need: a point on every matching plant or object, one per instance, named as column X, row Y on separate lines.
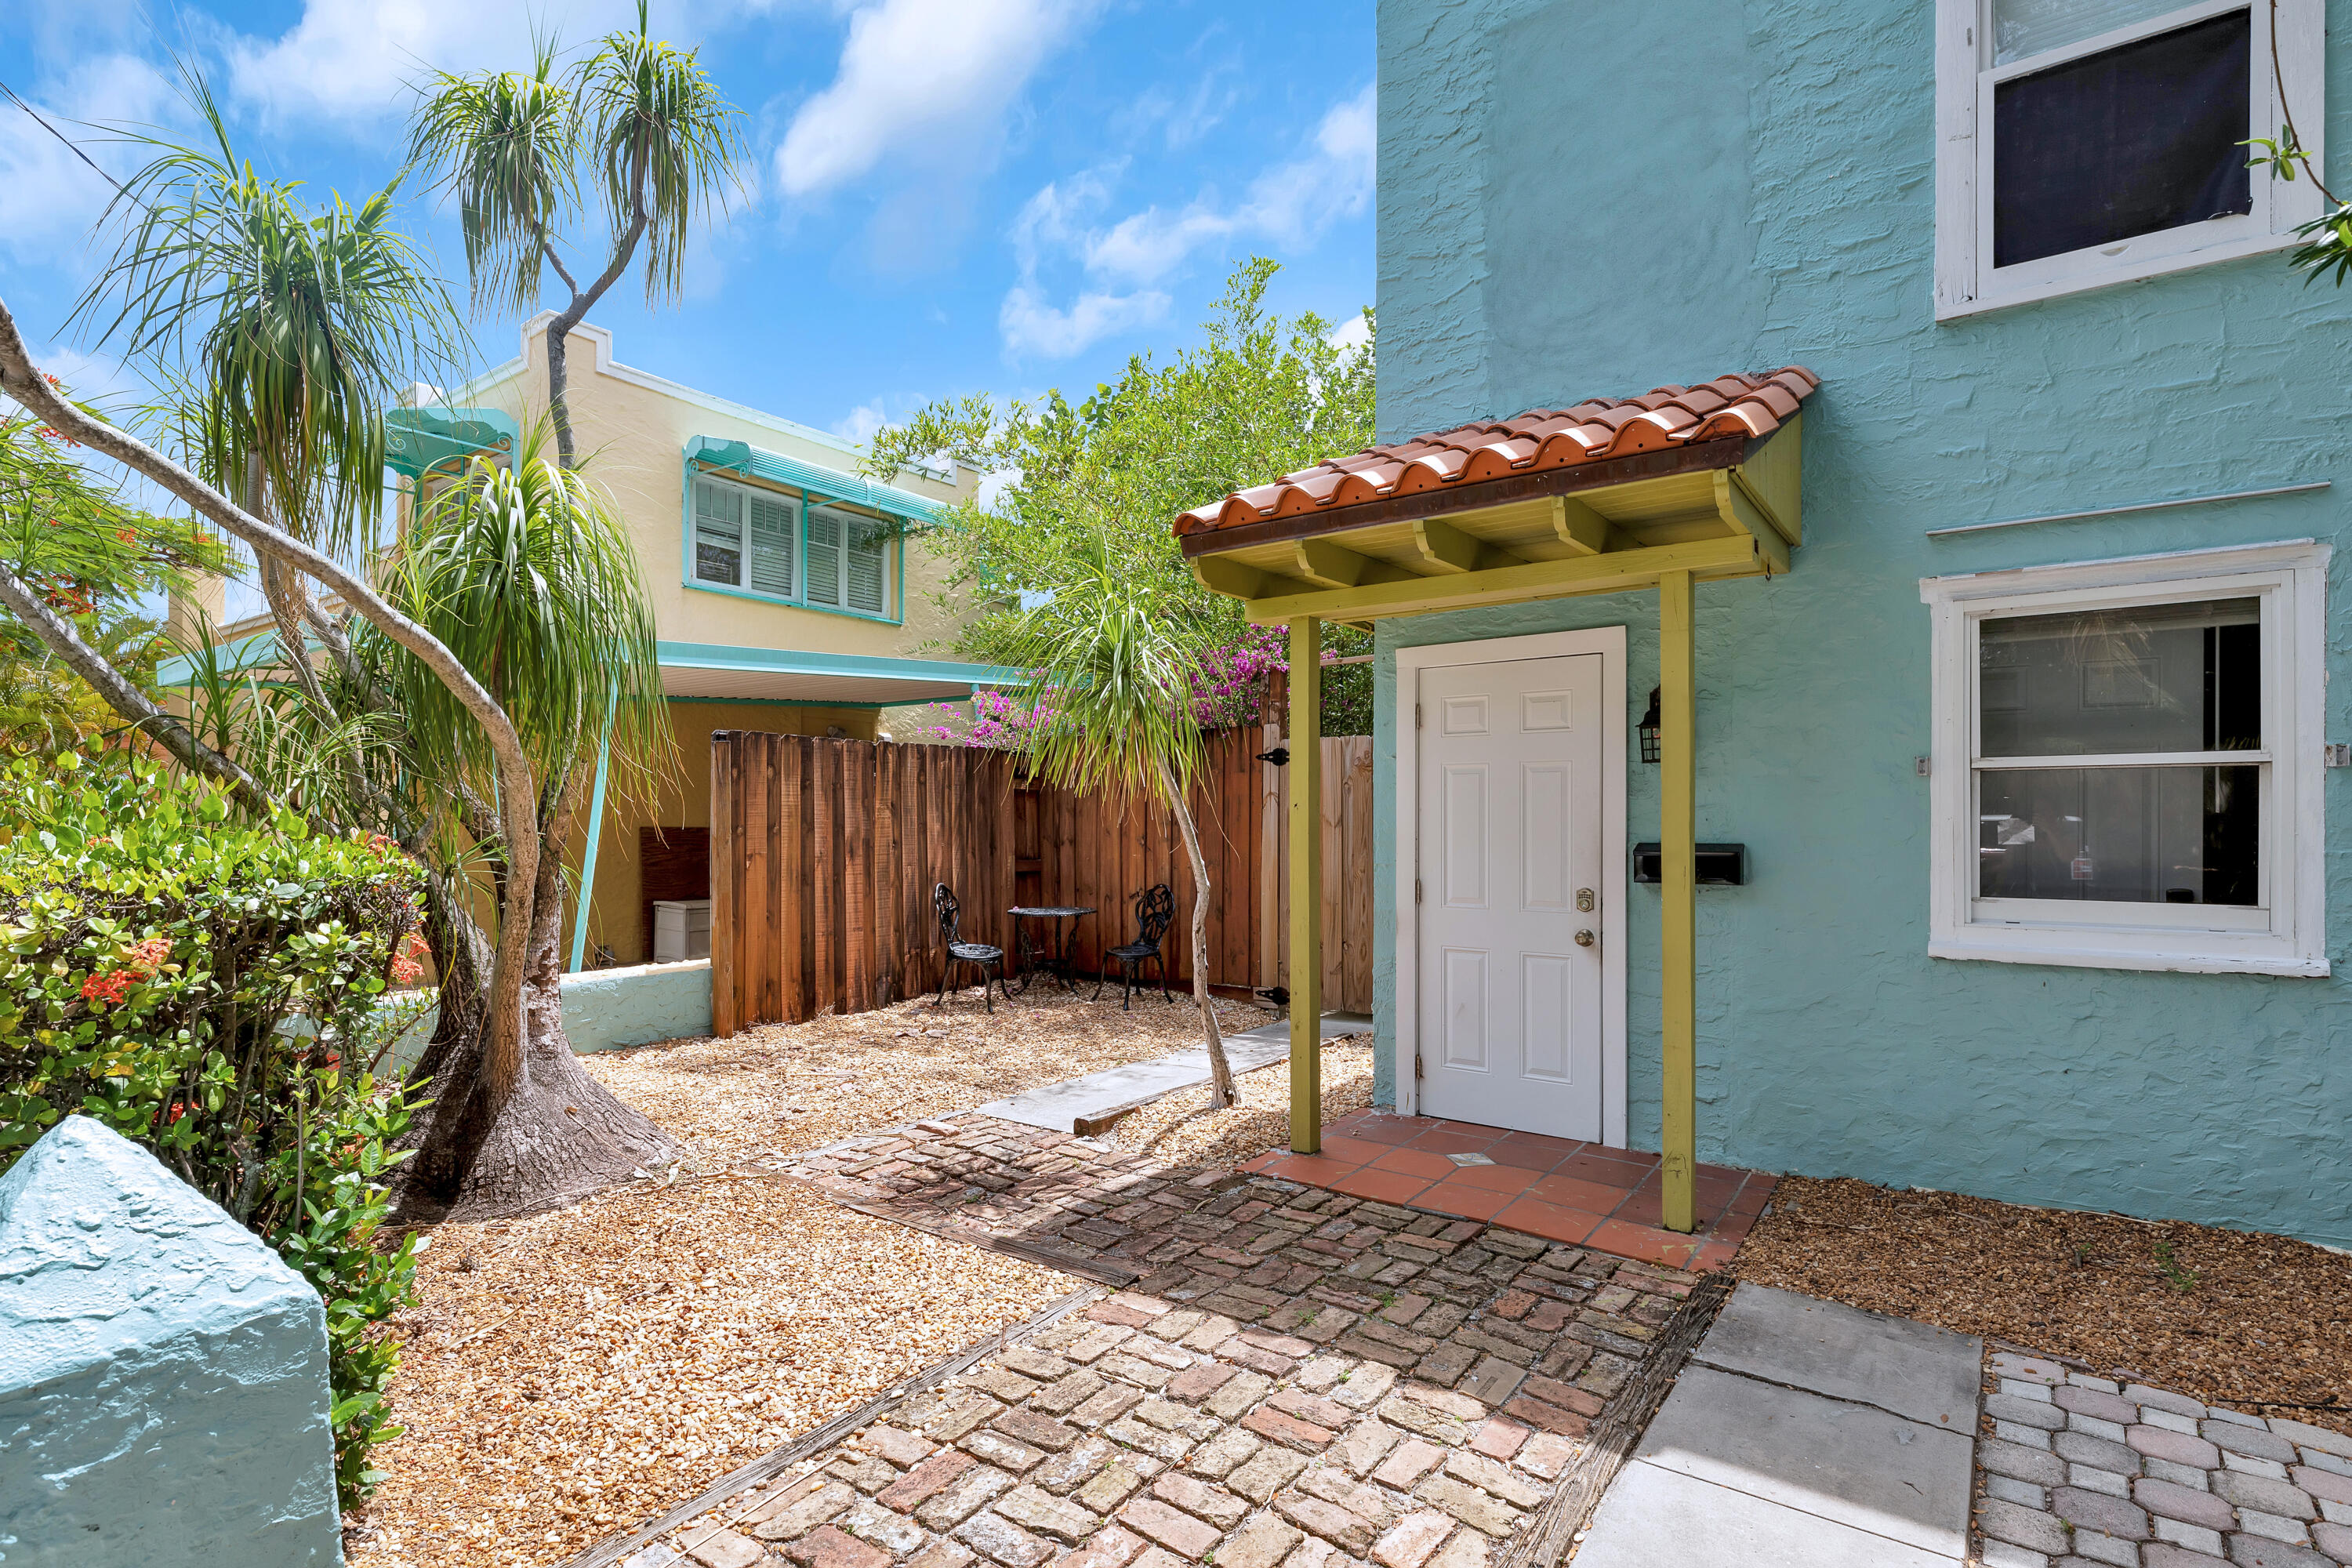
column 1973, row 576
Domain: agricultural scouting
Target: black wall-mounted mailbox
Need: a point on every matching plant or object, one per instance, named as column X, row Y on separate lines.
column 1719, row 865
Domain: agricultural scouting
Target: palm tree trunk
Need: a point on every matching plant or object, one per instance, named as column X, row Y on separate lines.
column 559, row 331
column 556, row 1134
column 1222, row 1092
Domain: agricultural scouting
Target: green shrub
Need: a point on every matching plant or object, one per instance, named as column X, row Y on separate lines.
column 205, row 986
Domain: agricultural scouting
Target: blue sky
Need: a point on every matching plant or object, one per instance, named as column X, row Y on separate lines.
column 948, row 195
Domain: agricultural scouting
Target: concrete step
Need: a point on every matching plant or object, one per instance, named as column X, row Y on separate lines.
column 1803, row 1432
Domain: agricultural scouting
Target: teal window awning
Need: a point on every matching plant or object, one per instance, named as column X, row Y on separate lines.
column 717, row 672
column 416, row 441
column 751, row 462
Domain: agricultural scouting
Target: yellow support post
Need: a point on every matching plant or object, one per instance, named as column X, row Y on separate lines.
column 1677, row 888
column 1306, row 980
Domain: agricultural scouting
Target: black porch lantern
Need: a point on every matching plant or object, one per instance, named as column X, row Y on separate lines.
column 1649, row 729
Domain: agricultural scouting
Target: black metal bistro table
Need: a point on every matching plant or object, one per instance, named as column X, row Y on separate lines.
column 1036, row 957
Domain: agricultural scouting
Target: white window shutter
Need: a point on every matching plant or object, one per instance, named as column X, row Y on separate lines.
column 869, row 565
column 769, row 546
column 823, row 557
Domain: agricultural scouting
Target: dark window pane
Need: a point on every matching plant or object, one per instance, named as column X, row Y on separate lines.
column 2126, row 142
column 2140, row 836
column 716, row 563
column 2147, row 678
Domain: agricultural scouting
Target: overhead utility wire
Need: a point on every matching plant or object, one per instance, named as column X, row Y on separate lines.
column 61, row 135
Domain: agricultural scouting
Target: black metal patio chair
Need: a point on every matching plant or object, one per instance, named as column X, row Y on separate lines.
column 989, row 961
column 1155, row 907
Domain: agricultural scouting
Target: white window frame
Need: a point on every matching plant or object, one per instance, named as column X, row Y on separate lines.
column 1967, row 282
column 2285, row 933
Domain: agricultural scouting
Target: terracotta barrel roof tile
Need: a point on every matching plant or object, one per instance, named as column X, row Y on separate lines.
column 1540, row 438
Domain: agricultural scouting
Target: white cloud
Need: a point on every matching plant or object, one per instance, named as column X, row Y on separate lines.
column 1033, row 328
column 860, row 423
column 1290, row 204
column 351, row 62
column 48, row 197
column 932, row 79
column 1353, row 333
column 1052, row 221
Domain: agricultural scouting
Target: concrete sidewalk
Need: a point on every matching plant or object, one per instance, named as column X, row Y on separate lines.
column 1801, row 1433
column 1060, row 1107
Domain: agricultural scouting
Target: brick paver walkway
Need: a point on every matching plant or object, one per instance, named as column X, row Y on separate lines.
column 2075, row 1469
column 1297, row 1377
column 1557, row 1188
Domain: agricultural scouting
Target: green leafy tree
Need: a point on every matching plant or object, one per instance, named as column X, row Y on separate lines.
column 637, row 119
column 528, row 575
column 1260, row 397
column 1077, row 575
column 99, row 563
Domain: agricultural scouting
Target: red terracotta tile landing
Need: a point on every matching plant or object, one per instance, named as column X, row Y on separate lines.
column 1457, row 1197
column 1416, row 1163
column 1380, row 1187
column 1583, row 1193
column 1551, row 1221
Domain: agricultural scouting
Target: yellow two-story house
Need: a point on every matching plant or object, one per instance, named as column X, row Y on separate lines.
column 789, row 594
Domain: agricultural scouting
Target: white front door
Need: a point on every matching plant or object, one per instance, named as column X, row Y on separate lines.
column 1509, row 790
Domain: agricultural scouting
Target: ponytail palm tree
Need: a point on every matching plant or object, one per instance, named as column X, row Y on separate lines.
column 637, row 119
column 511, row 621
column 1112, row 658
column 285, row 328
column 526, row 573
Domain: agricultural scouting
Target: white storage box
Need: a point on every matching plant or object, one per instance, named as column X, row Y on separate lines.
column 681, row 930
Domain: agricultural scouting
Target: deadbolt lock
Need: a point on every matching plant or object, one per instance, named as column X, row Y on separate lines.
column 1585, row 939
column 1584, row 900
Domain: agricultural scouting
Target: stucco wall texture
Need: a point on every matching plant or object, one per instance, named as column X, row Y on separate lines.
column 609, row 1009
column 1601, row 197
column 162, row 1372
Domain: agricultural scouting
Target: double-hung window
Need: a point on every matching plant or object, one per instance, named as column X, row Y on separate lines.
column 2125, row 771
column 778, row 545
column 2082, row 142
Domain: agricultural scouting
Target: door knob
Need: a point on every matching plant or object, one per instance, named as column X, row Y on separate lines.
column 1585, row 939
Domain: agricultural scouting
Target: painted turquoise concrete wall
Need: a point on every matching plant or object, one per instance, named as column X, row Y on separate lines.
column 162, row 1372
column 1601, row 197
column 605, row 1009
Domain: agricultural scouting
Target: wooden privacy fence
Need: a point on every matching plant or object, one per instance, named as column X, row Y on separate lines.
column 824, row 853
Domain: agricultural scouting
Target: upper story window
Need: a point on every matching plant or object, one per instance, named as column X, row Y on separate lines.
column 2126, row 762
column 2090, row 142
column 778, row 545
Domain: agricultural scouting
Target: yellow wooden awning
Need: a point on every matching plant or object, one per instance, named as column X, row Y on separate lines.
column 1725, row 508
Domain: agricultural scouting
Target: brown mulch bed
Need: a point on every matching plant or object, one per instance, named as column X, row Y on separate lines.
column 2257, row 1323
column 570, row 1374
